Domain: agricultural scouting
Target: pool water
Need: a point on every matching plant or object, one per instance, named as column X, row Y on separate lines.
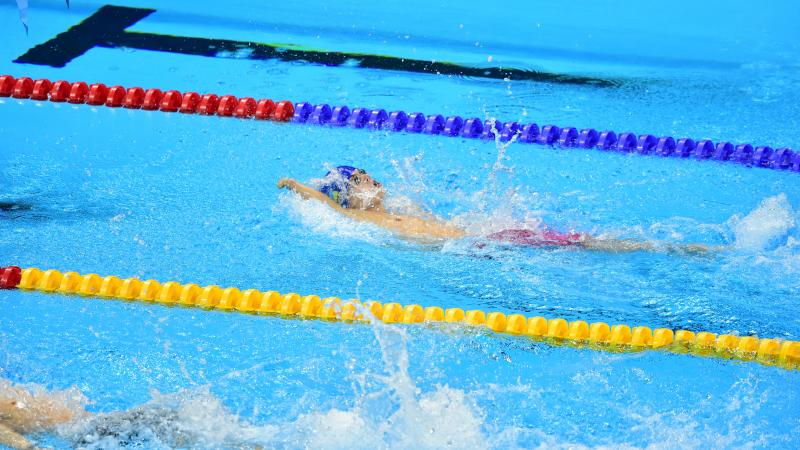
column 193, row 199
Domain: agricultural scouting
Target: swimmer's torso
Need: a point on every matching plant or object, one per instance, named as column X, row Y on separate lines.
column 409, row 226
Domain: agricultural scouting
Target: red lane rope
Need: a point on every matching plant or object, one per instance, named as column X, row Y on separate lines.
column 98, row 94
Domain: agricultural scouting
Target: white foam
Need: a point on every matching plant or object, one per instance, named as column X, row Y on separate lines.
column 205, row 416
column 443, row 418
column 766, row 227
column 200, row 420
column 396, row 414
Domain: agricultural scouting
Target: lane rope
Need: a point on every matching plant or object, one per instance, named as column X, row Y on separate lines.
column 599, row 335
column 98, row 94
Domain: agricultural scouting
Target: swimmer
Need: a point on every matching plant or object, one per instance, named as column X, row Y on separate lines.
column 355, row 194
column 36, row 411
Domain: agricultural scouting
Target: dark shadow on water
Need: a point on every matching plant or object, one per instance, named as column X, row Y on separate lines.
column 32, row 212
column 13, row 206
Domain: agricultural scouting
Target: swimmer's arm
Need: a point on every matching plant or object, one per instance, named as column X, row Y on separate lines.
column 11, row 438
column 307, row 192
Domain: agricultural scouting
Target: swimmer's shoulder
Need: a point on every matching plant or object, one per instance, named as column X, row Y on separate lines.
column 371, row 216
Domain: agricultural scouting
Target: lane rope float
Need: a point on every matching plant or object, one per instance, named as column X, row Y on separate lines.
column 599, row 335
column 98, row 94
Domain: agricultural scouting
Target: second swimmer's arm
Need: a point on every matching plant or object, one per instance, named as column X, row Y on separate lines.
column 11, row 438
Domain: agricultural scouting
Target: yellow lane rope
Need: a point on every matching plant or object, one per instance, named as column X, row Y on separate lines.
column 598, row 335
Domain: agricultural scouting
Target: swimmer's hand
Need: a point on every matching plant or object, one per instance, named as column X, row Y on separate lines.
column 288, row 183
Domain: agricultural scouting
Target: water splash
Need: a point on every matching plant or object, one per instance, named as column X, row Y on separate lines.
column 767, row 226
column 499, row 205
column 495, row 205
column 411, row 177
column 193, row 418
column 22, row 6
column 768, row 243
column 391, row 411
column 490, row 190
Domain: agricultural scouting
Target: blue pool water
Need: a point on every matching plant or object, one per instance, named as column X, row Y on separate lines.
column 193, row 199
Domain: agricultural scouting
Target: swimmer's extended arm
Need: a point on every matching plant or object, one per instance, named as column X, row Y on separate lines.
column 308, row 192
column 11, row 438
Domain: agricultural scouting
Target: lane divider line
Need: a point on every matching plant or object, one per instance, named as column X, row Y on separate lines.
column 599, row 335
column 98, row 94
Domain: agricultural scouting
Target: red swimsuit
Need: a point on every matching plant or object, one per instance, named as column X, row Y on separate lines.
column 536, row 238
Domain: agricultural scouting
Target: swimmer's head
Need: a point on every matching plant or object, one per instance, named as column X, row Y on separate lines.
column 353, row 188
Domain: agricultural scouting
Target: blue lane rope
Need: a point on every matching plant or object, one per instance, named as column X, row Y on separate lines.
column 531, row 133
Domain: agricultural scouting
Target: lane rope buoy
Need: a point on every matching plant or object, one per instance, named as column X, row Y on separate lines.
column 599, row 335
column 98, row 94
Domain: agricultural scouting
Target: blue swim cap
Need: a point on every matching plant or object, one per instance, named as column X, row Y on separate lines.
column 336, row 184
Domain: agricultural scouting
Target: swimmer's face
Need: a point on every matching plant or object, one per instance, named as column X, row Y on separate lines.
column 365, row 192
